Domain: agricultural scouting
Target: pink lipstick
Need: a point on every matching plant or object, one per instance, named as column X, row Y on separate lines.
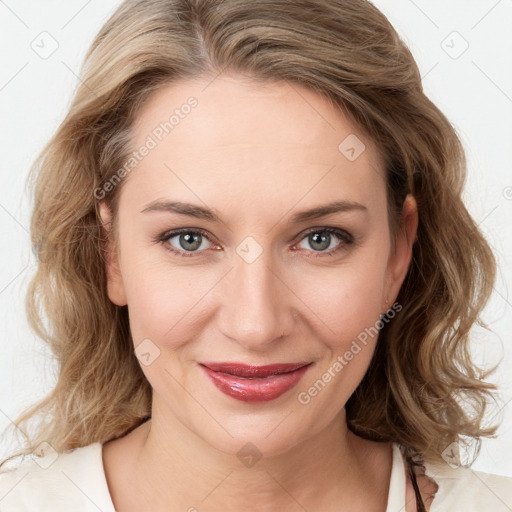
column 254, row 383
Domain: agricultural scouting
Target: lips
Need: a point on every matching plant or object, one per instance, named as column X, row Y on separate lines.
column 254, row 383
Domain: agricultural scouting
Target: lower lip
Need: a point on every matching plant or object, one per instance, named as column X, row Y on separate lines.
column 255, row 390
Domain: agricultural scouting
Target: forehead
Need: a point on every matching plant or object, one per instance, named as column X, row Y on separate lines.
column 263, row 141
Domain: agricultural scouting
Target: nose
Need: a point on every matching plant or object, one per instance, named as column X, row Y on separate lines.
column 256, row 306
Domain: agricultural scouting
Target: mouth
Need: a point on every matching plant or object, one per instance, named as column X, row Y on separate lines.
column 254, row 383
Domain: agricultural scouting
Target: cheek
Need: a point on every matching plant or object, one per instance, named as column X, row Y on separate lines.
column 349, row 309
column 346, row 299
column 164, row 300
column 164, row 304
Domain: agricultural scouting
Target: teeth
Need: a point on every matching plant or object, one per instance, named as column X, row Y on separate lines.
column 251, row 373
column 255, row 377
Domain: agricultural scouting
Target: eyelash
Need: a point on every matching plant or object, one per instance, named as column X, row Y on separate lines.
column 346, row 240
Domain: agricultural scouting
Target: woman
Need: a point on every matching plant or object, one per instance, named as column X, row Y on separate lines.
column 258, row 271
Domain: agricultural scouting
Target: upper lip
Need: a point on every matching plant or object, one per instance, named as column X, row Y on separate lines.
column 248, row 371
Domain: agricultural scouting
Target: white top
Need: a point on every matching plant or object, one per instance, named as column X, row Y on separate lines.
column 75, row 481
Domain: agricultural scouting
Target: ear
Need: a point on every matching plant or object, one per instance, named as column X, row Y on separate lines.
column 401, row 254
column 115, row 285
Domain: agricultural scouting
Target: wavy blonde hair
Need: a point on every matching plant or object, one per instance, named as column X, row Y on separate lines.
column 422, row 377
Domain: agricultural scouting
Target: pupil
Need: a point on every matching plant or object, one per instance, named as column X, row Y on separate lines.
column 193, row 239
column 323, row 240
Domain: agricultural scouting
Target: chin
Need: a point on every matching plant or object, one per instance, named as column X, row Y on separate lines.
column 261, row 434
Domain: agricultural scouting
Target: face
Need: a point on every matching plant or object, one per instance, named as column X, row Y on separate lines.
column 254, row 232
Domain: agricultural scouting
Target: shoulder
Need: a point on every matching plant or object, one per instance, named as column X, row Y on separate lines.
column 462, row 488
column 57, row 481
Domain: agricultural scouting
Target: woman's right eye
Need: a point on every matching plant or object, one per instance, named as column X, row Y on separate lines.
column 185, row 242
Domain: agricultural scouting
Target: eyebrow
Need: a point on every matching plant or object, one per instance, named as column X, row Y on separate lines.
column 200, row 212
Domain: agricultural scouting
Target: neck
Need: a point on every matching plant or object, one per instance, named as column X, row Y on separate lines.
column 171, row 465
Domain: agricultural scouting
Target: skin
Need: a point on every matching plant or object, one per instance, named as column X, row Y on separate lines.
column 256, row 154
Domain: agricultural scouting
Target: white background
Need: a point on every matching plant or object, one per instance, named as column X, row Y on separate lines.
column 474, row 90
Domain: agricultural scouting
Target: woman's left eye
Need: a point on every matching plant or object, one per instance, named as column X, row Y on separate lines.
column 323, row 240
column 186, row 242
